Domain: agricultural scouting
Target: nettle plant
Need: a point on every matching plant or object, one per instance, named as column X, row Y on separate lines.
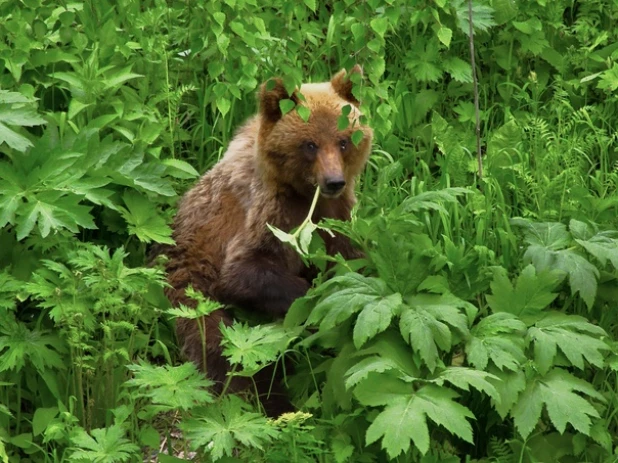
column 425, row 326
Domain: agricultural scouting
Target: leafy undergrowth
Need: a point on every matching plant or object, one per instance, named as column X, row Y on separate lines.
column 479, row 326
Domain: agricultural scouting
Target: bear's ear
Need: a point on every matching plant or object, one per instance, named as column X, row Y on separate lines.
column 271, row 93
column 343, row 85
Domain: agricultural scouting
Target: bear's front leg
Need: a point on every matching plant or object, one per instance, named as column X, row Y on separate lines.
column 259, row 280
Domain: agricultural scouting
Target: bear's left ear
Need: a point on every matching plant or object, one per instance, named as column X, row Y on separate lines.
column 271, row 93
column 343, row 85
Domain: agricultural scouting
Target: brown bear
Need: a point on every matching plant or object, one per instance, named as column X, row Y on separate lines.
column 268, row 175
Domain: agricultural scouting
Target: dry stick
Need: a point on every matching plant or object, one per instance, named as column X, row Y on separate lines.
column 476, row 93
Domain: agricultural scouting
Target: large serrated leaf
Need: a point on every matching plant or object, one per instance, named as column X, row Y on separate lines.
column 557, row 391
column 404, row 420
column 499, row 338
column 531, row 294
column 575, row 336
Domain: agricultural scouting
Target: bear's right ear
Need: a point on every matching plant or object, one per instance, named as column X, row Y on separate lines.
column 342, row 83
column 271, row 93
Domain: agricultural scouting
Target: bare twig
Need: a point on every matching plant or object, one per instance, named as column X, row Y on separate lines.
column 476, row 94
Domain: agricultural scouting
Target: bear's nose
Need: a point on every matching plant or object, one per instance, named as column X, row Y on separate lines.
column 334, row 185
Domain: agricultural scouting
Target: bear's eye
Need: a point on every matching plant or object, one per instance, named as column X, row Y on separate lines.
column 343, row 144
column 311, row 147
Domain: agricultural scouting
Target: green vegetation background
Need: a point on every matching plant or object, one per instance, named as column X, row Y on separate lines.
column 483, row 325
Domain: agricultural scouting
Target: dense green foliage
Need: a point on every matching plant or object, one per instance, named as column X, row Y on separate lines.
column 481, row 325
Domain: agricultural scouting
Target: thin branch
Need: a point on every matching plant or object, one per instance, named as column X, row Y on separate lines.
column 476, row 94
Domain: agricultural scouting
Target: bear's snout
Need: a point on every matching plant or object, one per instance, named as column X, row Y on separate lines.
column 333, row 185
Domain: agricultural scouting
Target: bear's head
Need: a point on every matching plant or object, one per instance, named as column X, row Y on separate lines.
column 299, row 155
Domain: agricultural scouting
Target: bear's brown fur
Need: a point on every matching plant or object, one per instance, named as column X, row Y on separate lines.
column 267, row 176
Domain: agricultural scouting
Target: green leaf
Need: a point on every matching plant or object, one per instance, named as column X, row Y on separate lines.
column 20, row 346
column 482, row 16
column 432, row 200
column 379, row 25
column 499, row 338
column 609, row 79
column 180, row 169
column 404, row 419
column 253, row 347
column 546, row 251
column 223, row 105
column 528, row 297
column 425, row 324
column 354, row 292
column 459, row 69
column 286, row 105
column 104, row 445
column 174, row 387
column 551, row 235
column 41, row 419
column 143, row 220
column 374, row 364
column 374, row 318
column 17, row 110
column 582, row 274
column 304, row 112
column 463, row 378
column 223, row 428
column 509, row 386
column 357, row 137
column 574, row 335
column 557, row 391
column 445, row 35
column 119, row 76
column 602, row 247
column 311, row 4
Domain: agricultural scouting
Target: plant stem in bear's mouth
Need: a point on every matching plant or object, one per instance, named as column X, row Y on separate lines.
column 310, row 214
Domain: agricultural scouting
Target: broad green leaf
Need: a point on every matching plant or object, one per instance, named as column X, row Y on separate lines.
column 119, row 76
column 144, row 222
column 459, row 69
column 354, row 293
column 575, row 336
column 16, row 110
column 509, row 387
column 223, row 427
column 558, row 392
column 432, row 200
column 374, row 364
column 531, row 293
column 445, row 35
column 311, row 4
column 41, row 419
column 499, row 338
column 551, row 235
column 13, row 139
column 374, row 318
column 463, row 378
column 304, row 112
column 174, row 387
column 609, row 79
column 252, row 347
column 286, row 105
column 223, row 105
column 104, row 445
column 180, row 169
column 582, row 274
column 404, row 419
column 602, row 246
column 482, row 16
column 425, row 323
column 379, row 25
column 20, row 346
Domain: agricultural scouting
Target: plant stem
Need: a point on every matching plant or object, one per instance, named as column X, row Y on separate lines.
column 476, row 94
column 310, row 214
